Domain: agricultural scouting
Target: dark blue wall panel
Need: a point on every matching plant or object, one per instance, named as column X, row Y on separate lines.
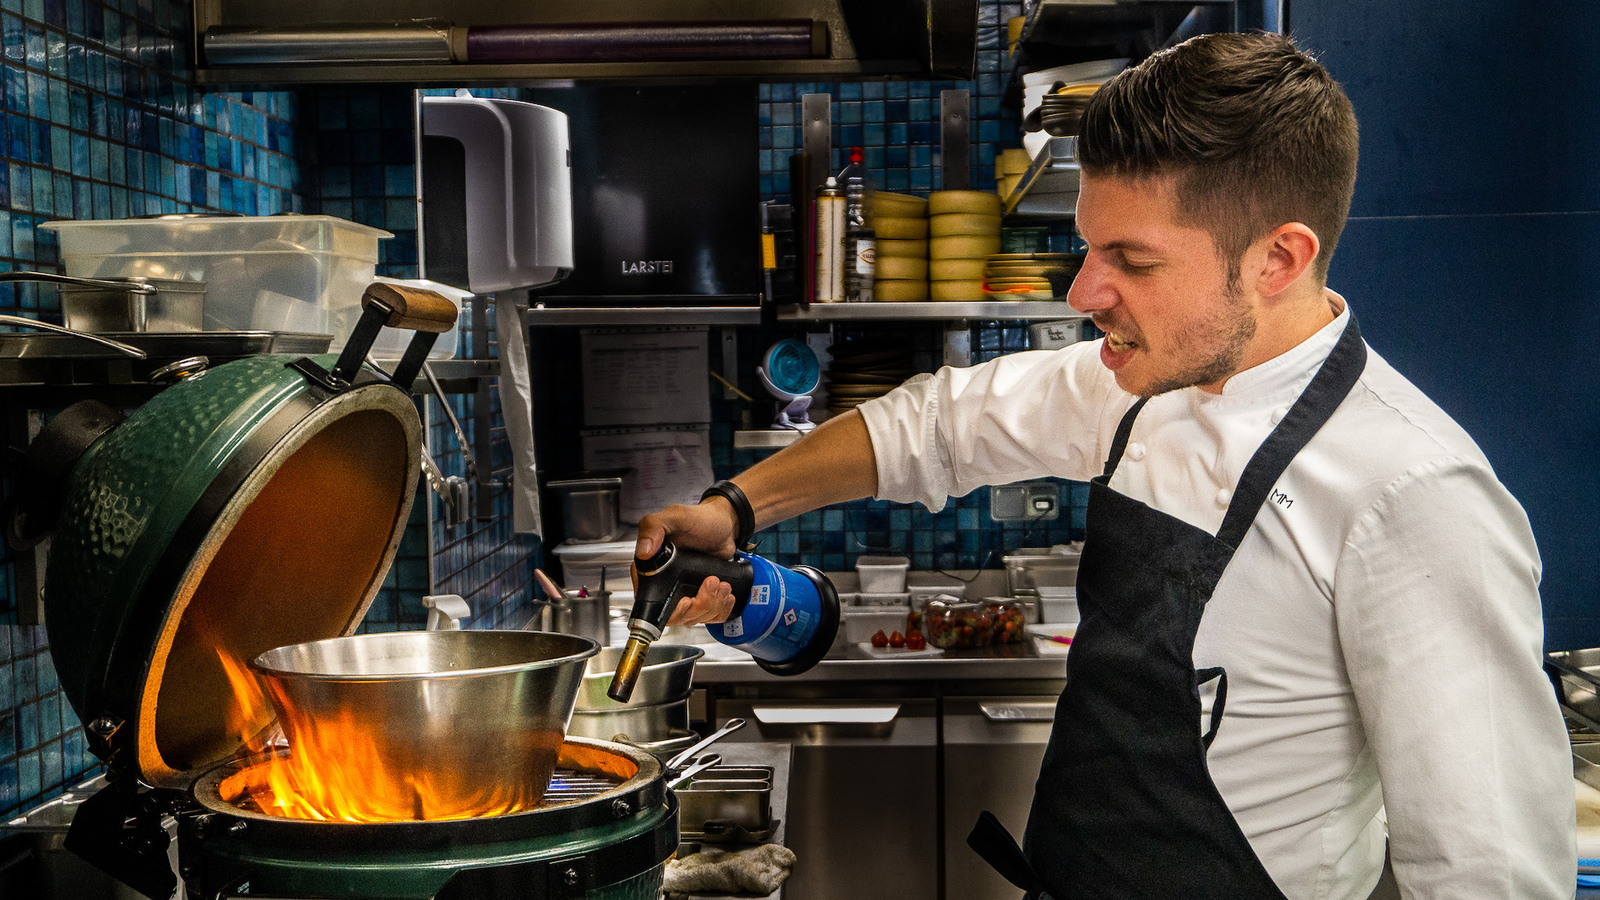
column 1471, row 252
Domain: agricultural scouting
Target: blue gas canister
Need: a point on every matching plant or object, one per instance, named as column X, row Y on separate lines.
column 785, row 618
column 785, row 621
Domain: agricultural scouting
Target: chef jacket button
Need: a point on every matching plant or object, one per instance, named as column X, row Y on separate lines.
column 1136, row 452
column 1224, row 497
column 1279, row 413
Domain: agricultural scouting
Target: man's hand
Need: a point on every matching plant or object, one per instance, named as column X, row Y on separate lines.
column 708, row 526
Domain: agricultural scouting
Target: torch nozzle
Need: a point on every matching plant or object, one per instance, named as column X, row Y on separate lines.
column 628, row 667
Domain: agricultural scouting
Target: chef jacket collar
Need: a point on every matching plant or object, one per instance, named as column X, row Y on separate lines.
column 1285, row 375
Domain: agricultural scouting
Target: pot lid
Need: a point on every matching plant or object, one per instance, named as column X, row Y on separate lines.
column 244, row 509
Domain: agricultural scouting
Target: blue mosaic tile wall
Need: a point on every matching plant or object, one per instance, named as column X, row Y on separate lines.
column 100, row 120
column 897, row 123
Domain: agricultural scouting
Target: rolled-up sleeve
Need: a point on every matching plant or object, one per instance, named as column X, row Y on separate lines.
column 1021, row 416
column 1438, row 611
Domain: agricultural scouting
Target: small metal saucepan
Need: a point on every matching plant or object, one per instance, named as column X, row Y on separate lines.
column 121, row 305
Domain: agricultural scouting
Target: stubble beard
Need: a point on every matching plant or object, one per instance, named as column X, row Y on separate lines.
column 1230, row 331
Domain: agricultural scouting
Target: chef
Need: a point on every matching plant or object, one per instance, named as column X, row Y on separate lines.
column 1310, row 627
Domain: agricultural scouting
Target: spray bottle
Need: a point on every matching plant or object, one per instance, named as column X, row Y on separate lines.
column 785, row 618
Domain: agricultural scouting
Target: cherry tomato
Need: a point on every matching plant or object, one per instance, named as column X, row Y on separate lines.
column 897, row 640
column 880, row 640
column 915, row 640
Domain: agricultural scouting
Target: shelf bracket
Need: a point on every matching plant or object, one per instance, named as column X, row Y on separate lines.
column 955, row 144
column 816, row 135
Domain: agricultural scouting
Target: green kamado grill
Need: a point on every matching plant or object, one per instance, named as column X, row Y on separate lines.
column 244, row 508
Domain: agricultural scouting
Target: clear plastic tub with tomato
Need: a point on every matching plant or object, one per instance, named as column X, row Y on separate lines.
column 957, row 624
column 1010, row 620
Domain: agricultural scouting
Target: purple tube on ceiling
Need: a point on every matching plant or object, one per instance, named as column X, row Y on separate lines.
column 633, row 41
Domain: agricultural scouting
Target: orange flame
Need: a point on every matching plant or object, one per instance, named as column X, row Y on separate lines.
column 336, row 771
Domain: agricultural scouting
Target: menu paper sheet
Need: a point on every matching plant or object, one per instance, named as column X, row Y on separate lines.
column 646, row 376
column 671, row 464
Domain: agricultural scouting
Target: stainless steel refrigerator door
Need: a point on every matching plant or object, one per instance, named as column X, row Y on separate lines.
column 993, row 747
column 863, row 790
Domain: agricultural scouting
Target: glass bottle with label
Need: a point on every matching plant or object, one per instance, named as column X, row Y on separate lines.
column 860, row 254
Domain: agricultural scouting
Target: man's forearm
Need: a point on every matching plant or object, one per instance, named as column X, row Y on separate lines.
column 833, row 464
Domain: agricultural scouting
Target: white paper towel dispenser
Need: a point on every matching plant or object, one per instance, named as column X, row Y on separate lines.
column 495, row 186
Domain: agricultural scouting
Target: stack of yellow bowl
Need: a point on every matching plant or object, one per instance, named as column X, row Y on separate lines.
column 900, row 223
column 1009, row 166
column 963, row 228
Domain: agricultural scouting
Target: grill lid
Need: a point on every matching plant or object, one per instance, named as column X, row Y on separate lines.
column 256, row 504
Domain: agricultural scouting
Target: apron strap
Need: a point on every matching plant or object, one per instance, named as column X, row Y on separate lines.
column 995, row 845
column 1328, row 388
column 1120, row 441
column 1201, row 677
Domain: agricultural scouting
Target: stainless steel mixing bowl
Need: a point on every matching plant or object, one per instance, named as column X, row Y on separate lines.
column 668, row 675
column 467, row 721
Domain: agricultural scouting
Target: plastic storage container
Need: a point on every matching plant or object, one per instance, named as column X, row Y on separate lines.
column 581, row 565
column 392, row 342
column 1062, row 610
column 262, row 273
column 957, row 624
column 882, row 574
column 860, row 623
column 1010, row 620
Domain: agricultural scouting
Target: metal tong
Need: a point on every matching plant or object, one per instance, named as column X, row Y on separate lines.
column 695, row 768
column 731, row 726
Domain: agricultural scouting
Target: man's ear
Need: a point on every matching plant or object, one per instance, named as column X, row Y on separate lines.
column 1286, row 255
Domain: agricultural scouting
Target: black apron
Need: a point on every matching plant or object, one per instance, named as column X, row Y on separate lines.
column 1125, row 806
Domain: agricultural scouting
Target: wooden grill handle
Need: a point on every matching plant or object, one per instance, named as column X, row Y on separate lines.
column 414, row 309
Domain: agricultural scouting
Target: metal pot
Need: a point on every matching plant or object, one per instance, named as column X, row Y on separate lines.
column 246, row 507
column 485, row 713
column 641, row 723
column 668, row 675
column 131, row 304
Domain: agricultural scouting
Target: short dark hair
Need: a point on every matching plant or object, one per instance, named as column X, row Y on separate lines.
column 1255, row 130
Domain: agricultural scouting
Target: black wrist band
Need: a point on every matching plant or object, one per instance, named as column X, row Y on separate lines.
column 730, row 492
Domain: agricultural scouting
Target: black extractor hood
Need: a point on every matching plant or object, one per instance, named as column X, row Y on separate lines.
column 539, row 42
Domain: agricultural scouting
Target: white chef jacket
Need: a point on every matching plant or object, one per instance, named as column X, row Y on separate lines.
column 1380, row 623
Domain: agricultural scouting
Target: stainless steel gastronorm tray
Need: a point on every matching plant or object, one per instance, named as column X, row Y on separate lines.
column 727, row 803
column 1576, row 675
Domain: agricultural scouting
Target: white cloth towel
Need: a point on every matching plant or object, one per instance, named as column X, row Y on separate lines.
column 755, row 870
column 516, row 407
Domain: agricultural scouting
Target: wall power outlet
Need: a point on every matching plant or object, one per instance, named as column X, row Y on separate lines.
column 1024, row 501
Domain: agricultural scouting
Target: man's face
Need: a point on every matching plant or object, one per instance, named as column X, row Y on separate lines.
column 1158, row 289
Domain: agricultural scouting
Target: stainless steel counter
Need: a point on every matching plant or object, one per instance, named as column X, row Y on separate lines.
column 723, row 665
column 959, row 733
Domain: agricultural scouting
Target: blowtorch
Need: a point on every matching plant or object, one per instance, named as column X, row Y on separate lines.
column 785, row 618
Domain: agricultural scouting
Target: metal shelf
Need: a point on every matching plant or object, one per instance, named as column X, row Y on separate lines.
column 900, row 312
column 536, row 74
column 771, row 438
column 1060, row 32
column 865, row 40
column 644, row 315
column 1049, row 189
